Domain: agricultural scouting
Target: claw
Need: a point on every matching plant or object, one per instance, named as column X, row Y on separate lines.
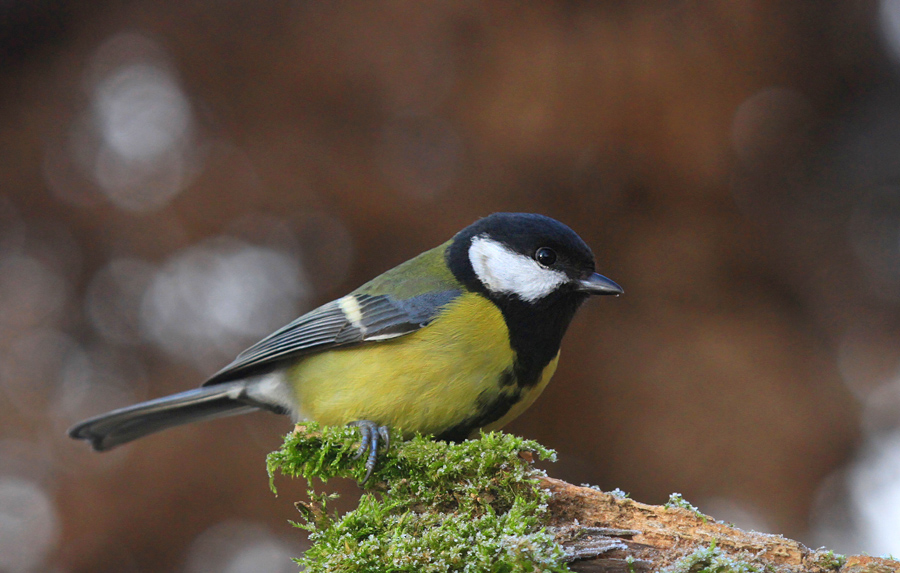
column 370, row 432
column 385, row 436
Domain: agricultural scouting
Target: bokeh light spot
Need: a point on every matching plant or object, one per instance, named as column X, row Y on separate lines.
column 136, row 141
column 209, row 301
column 239, row 546
column 875, row 493
column 141, row 111
column 29, row 526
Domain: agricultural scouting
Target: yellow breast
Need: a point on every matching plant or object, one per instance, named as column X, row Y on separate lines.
column 428, row 381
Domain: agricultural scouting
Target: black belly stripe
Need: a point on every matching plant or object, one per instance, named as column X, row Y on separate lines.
column 508, row 378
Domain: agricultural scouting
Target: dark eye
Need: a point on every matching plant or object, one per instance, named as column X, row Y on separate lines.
column 545, row 256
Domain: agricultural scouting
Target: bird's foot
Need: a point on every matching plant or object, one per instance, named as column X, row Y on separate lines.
column 370, row 433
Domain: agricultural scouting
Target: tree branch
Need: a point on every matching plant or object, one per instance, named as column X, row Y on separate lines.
column 609, row 533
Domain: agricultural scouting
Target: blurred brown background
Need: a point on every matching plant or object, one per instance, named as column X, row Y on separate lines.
column 178, row 179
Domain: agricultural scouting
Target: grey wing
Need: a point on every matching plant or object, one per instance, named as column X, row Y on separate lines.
column 353, row 319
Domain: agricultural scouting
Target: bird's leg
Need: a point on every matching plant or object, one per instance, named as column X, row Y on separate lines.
column 370, row 432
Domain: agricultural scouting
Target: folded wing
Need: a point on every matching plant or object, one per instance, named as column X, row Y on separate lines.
column 354, row 319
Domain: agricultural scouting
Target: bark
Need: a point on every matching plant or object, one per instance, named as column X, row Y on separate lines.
column 605, row 533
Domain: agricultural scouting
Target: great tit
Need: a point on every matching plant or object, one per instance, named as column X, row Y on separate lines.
column 464, row 336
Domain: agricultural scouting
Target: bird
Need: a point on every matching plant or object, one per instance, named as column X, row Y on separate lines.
column 461, row 338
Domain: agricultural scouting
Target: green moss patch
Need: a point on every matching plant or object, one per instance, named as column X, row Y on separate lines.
column 436, row 506
column 713, row 560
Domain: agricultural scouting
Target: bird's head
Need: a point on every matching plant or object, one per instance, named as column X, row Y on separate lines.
column 526, row 258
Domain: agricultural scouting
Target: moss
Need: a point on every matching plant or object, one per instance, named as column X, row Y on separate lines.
column 676, row 500
column 712, row 560
column 830, row 560
column 472, row 506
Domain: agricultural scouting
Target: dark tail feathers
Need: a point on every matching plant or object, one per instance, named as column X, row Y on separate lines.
column 125, row 424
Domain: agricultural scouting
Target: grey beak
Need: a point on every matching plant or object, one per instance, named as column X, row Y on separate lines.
column 599, row 284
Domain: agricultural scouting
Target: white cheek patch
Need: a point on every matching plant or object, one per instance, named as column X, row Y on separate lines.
column 501, row 270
